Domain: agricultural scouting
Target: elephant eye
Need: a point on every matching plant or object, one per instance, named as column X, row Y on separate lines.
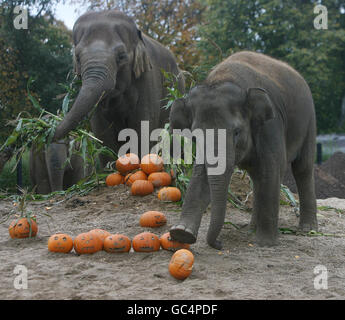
column 122, row 57
column 236, row 135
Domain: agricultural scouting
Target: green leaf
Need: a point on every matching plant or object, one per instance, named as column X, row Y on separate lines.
column 84, row 148
column 19, row 125
column 65, row 104
column 33, row 100
column 287, row 231
column 10, row 140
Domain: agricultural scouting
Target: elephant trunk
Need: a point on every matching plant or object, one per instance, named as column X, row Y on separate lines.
column 97, row 82
column 219, row 190
column 219, row 184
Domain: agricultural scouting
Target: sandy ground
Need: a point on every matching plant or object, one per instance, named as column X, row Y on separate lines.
column 240, row 271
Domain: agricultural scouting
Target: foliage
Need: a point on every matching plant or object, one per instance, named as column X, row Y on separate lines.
column 39, row 131
column 13, row 96
column 42, row 52
column 171, row 83
column 284, row 30
column 8, row 178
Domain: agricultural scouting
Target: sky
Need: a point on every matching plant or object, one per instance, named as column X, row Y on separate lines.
column 67, row 14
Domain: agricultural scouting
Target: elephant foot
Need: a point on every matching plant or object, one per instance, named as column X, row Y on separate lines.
column 266, row 241
column 216, row 244
column 182, row 234
column 308, row 226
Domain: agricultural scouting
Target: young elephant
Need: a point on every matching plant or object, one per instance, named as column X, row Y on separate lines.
column 49, row 171
column 267, row 111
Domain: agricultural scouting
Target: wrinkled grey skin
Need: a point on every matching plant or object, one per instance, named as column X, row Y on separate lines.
column 121, row 68
column 49, row 171
column 267, row 110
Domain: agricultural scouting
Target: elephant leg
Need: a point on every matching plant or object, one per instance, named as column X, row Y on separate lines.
column 43, row 186
column 39, row 173
column 269, row 167
column 253, row 219
column 77, row 171
column 266, row 205
column 104, row 131
column 303, row 172
column 195, row 203
column 266, row 208
column 56, row 156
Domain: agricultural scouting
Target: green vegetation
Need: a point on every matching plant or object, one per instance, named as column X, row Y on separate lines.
column 43, row 52
column 8, row 177
column 39, row 131
column 284, row 30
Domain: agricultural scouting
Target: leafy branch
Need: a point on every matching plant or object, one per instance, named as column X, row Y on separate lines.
column 38, row 132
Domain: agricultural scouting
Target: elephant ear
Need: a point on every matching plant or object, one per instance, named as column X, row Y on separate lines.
column 142, row 61
column 180, row 115
column 76, row 66
column 260, row 106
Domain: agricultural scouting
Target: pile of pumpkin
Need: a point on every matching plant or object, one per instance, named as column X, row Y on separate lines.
column 180, row 265
column 95, row 240
column 143, row 176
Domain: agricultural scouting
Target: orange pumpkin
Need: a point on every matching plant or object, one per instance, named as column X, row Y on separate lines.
column 151, row 163
column 60, row 242
column 181, row 264
column 160, row 179
column 127, row 163
column 114, row 179
column 117, row 243
column 169, row 194
column 142, row 188
column 146, row 242
column 21, row 228
column 102, row 234
column 87, row 243
column 12, row 229
column 168, row 244
column 153, row 219
column 131, row 177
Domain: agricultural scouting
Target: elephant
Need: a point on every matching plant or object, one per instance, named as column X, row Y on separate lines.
column 266, row 110
column 121, row 72
column 49, row 171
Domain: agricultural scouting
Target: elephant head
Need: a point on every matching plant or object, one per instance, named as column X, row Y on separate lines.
column 240, row 113
column 109, row 51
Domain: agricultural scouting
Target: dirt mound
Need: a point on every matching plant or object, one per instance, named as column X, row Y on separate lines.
column 335, row 166
column 329, row 178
